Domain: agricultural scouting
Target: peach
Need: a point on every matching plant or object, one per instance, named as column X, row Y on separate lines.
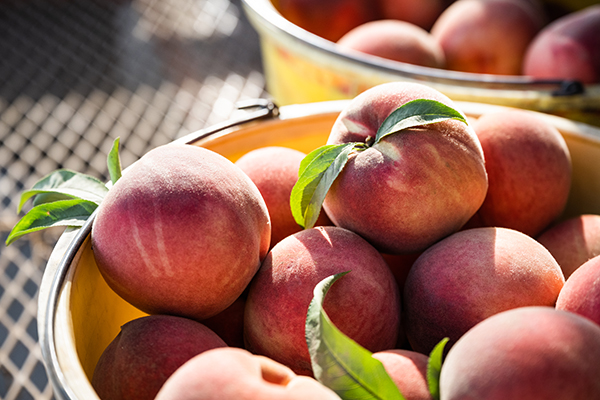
column 574, row 241
column 395, row 40
column 487, row 36
column 422, row 13
column 422, row 184
column 581, row 293
column 146, row 352
column 472, row 275
column 529, row 171
column 163, row 235
column 408, row 370
column 274, row 171
column 532, row 353
column 330, row 19
column 568, row 48
column 364, row 304
column 236, row 374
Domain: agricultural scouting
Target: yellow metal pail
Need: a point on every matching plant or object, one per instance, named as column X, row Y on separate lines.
column 79, row 314
column 301, row 67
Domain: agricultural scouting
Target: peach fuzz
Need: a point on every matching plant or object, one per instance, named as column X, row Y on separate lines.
column 408, row 370
column 533, row 353
column 573, row 242
column 529, row 171
column 330, row 19
column 581, row 293
column 236, row 374
column 470, row 276
column 395, row 40
column 487, row 36
column 568, row 48
column 146, row 352
column 274, row 171
column 364, row 304
column 163, row 236
column 423, row 183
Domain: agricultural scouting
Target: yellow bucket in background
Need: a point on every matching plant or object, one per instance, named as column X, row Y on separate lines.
column 301, row 67
column 79, row 314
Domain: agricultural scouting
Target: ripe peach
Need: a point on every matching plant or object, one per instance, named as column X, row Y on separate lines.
column 146, row 352
column 330, row 19
column 531, row 353
column 274, row 170
column 423, row 183
column 236, row 374
column 574, row 241
column 364, row 304
column 529, row 171
column 422, row 13
column 395, row 40
column 581, row 293
column 408, row 370
column 182, row 232
column 487, row 36
column 568, row 48
column 472, row 275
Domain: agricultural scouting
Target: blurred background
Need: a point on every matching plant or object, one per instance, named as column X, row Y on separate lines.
column 76, row 74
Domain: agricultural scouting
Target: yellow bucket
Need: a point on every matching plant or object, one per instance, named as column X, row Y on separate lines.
column 301, row 67
column 79, row 314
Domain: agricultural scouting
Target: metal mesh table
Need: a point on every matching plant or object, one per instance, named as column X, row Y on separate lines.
column 76, row 74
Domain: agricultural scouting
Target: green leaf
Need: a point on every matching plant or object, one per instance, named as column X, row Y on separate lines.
column 434, row 368
column 339, row 362
column 317, row 172
column 65, row 184
column 50, row 197
column 114, row 162
column 416, row 113
column 59, row 213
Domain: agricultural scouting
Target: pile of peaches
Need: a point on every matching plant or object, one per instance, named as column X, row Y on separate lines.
column 447, row 229
column 506, row 37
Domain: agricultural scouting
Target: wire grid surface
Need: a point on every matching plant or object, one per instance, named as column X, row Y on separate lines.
column 76, row 74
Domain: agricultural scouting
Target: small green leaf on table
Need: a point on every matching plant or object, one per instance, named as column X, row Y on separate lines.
column 73, row 212
column 434, row 368
column 339, row 362
column 416, row 113
column 317, row 172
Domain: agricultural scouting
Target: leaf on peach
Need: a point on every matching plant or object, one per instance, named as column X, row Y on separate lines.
column 434, row 368
column 65, row 184
column 72, row 212
column 114, row 162
column 339, row 362
column 317, row 172
column 417, row 113
column 64, row 198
